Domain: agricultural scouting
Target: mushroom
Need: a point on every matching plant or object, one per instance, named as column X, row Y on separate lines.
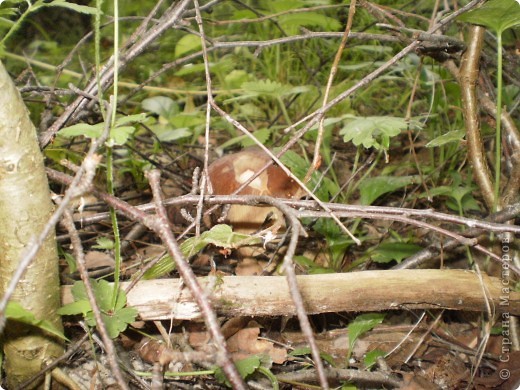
column 229, row 172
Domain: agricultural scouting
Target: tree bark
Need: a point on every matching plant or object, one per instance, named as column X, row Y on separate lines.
column 25, row 207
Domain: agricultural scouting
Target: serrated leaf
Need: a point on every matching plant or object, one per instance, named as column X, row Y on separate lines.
column 450, row 136
column 16, row 312
column 374, row 131
column 186, row 44
column 498, row 15
column 118, row 321
column 372, row 188
column 362, row 324
column 115, row 320
column 390, row 251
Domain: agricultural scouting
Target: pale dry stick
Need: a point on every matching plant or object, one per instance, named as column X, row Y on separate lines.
column 412, row 329
column 316, row 160
column 161, row 226
column 79, row 255
column 367, row 379
column 421, row 339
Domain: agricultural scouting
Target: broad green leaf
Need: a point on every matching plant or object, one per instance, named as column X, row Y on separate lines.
column 84, row 129
column 387, row 252
column 16, row 312
column 167, row 133
column 136, row 118
column 161, row 105
column 73, row 308
column 362, row 324
column 186, row 44
column 498, row 15
column 450, row 136
column 375, row 131
column 372, row 188
column 119, row 135
column 115, row 320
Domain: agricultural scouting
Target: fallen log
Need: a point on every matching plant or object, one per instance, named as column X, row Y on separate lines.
column 355, row 291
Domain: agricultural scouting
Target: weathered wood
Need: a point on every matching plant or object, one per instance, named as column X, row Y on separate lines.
column 355, row 291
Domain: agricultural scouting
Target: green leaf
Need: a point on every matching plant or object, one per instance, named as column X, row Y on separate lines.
column 83, row 9
column 84, row 129
column 245, row 368
column 164, row 266
column 397, row 251
column 167, row 133
column 16, row 312
column 119, row 135
column 498, row 15
column 73, row 308
column 362, row 324
column 219, row 235
column 161, row 105
column 186, row 44
column 371, row 357
column 136, row 118
column 104, row 243
column 450, row 136
column 375, row 131
column 116, row 320
column 372, row 188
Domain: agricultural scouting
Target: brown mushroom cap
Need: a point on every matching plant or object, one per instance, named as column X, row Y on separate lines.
column 229, row 172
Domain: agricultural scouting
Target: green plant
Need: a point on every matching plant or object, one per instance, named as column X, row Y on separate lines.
column 15, row 312
column 116, row 319
column 247, row 367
